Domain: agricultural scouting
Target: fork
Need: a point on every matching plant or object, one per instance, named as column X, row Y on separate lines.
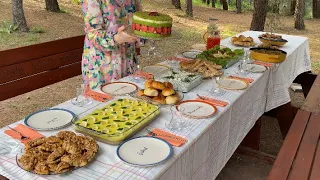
column 22, row 136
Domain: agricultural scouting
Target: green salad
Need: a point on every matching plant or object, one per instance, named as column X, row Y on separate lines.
column 221, row 56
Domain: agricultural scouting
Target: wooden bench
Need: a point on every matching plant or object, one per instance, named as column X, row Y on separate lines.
column 28, row 68
column 299, row 157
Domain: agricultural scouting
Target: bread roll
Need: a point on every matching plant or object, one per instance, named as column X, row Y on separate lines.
column 160, row 99
column 141, row 92
column 148, row 83
column 168, row 85
column 168, row 92
column 158, row 85
column 151, row 92
column 173, row 99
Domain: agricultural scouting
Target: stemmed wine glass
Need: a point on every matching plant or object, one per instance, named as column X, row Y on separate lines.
column 176, row 122
column 81, row 99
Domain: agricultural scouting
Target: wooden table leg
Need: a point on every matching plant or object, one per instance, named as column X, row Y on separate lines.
column 285, row 115
column 252, row 140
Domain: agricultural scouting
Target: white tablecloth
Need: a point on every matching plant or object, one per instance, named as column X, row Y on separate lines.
column 211, row 142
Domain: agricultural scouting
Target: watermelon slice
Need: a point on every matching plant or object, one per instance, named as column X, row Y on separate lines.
column 144, row 28
column 151, row 29
column 133, row 26
column 159, row 30
column 138, row 26
column 164, row 30
column 169, row 30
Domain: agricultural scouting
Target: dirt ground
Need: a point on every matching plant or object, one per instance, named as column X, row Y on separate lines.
column 187, row 31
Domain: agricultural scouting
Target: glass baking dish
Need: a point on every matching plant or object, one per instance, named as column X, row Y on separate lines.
column 117, row 121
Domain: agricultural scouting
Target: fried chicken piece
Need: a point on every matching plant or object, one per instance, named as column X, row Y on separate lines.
column 202, row 69
column 54, row 157
column 53, row 140
column 89, row 155
column 35, row 143
column 50, row 147
column 66, row 135
column 41, row 168
column 27, row 162
column 90, row 145
column 71, row 147
column 52, row 167
column 42, row 156
column 79, row 140
column 76, row 160
column 62, row 167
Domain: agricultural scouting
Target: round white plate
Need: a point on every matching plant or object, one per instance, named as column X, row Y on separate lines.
column 196, row 109
column 156, row 69
column 144, row 151
column 255, row 68
column 191, row 54
column 119, row 88
column 50, row 119
column 232, row 84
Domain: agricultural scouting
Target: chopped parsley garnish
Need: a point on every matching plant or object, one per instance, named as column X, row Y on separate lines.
column 113, row 104
column 105, row 117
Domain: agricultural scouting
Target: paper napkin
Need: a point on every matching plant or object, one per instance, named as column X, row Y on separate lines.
column 172, row 139
column 248, row 80
column 25, row 131
column 215, row 102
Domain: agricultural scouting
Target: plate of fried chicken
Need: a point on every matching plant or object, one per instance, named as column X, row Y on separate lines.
column 62, row 153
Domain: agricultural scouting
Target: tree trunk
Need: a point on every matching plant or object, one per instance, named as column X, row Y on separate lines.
column 259, row 15
column 18, row 16
column 224, row 4
column 208, row 2
column 316, row 9
column 238, row 5
column 173, row 2
column 52, row 5
column 298, row 15
column 177, row 4
column 204, row 1
column 293, row 6
column 213, row 3
column 189, row 8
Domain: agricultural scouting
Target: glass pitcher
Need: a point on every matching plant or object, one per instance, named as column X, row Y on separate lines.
column 212, row 36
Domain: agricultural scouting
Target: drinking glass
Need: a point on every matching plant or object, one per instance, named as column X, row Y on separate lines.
column 176, row 123
column 215, row 88
column 80, row 99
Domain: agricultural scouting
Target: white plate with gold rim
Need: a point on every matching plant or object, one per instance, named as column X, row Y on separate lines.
column 232, row 83
column 156, row 69
column 197, row 109
column 255, row 68
column 119, row 88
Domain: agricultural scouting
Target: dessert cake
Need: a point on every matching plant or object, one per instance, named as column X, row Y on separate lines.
column 151, row 24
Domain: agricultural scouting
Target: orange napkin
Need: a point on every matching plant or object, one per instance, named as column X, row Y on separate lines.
column 172, row 139
column 213, row 101
column 248, row 80
column 179, row 59
column 265, row 64
column 143, row 75
column 96, row 96
column 25, row 131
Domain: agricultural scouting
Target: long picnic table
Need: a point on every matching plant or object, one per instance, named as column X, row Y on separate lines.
column 211, row 142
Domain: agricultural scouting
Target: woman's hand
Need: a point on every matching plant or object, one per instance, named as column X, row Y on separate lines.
column 122, row 37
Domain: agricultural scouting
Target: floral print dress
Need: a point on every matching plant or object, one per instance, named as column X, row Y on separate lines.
column 103, row 59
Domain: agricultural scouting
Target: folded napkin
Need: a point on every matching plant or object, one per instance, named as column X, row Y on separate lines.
column 248, row 80
column 213, row 101
column 96, row 96
column 178, row 59
column 142, row 74
column 265, row 64
column 172, row 139
column 25, row 131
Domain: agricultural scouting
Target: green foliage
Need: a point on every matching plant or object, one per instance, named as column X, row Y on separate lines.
column 8, row 27
column 36, row 30
column 315, row 67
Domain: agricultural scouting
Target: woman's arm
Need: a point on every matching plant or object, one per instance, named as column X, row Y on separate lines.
column 96, row 28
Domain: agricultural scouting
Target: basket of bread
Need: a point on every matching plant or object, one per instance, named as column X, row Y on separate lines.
column 159, row 93
column 242, row 41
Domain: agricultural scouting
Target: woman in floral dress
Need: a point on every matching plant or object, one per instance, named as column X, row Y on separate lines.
column 109, row 52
